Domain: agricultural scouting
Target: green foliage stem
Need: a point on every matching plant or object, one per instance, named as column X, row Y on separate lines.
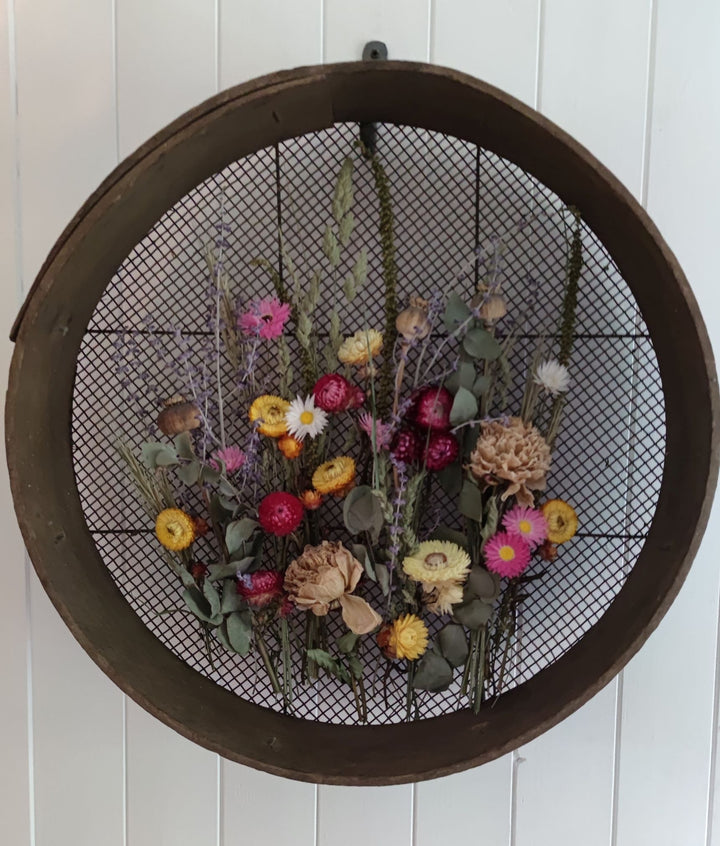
column 387, row 244
column 569, row 306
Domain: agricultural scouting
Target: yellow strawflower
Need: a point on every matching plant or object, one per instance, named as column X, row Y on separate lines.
column 175, row 529
column 270, row 411
column 335, row 476
column 360, row 347
column 562, row 521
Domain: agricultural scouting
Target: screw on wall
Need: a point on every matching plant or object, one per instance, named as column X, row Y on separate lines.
column 374, row 51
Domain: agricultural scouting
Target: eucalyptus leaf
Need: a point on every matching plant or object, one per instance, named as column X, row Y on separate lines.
column 231, row 600
column 362, row 512
column 482, row 584
column 221, row 571
column 210, row 475
column 156, row 455
column 356, row 666
column 230, row 505
column 383, row 578
column 225, row 488
column 327, row 662
column 238, row 532
column 463, row 377
column 451, row 478
column 473, row 614
column 200, row 607
column 361, row 553
column 453, row 644
column 432, row 673
column 239, row 631
column 464, row 407
column 479, row 343
column 347, row 642
column 490, row 522
column 456, row 312
column 184, row 446
column 212, row 596
column 218, row 511
column 190, row 473
column 445, row 533
column 481, row 385
column 244, row 565
column 470, row 502
column 186, row 577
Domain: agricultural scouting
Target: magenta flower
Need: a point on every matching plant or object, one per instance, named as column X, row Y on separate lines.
column 528, row 523
column 507, row 555
column 265, row 318
column 233, row 457
column 383, row 431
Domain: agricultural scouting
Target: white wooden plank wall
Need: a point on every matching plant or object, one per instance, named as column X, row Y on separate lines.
column 82, row 84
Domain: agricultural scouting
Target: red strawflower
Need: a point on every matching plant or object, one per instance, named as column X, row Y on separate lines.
column 333, row 393
column 406, row 446
column 280, row 513
column 442, row 449
column 261, row 588
column 431, row 407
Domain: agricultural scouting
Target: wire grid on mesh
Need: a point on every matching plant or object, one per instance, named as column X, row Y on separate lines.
column 153, row 327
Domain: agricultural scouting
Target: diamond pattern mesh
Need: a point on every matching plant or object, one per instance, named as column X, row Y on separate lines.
column 152, row 326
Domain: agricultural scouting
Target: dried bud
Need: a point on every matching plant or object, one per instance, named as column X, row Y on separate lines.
column 178, row 416
column 548, row 551
column 412, row 323
column 198, row 571
column 201, row 526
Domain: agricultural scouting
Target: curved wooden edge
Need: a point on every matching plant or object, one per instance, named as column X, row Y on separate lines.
column 49, row 333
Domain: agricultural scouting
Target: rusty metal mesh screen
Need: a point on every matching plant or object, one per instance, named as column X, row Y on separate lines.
column 152, row 324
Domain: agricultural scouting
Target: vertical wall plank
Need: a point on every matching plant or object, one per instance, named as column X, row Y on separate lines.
column 598, row 94
column 593, row 78
column 66, row 104
column 166, row 63
column 440, row 806
column 496, row 42
column 66, row 100
column 258, row 38
column 403, row 25
column 356, row 816
column 254, row 803
column 172, row 796
column 15, row 804
column 667, row 716
column 549, row 807
column 78, row 739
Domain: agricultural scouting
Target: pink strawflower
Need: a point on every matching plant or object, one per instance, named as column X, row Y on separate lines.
column 528, row 523
column 507, row 555
column 233, row 457
column 265, row 318
column 383, row 431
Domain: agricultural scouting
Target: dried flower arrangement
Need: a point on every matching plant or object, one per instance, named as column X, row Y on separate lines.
column 379, row 419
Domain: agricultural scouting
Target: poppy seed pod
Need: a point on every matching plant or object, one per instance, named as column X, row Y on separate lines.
column 412, row 322
column 178, row 416
column 493, row 309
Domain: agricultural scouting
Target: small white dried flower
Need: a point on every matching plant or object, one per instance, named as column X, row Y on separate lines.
column 552, row 376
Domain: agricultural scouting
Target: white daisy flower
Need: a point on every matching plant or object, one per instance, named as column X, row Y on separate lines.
column 303, row 418
column 552, row 376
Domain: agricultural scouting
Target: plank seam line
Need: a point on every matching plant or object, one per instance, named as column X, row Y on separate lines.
column 216, row 45
column 30, row 703
column 430, row 31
